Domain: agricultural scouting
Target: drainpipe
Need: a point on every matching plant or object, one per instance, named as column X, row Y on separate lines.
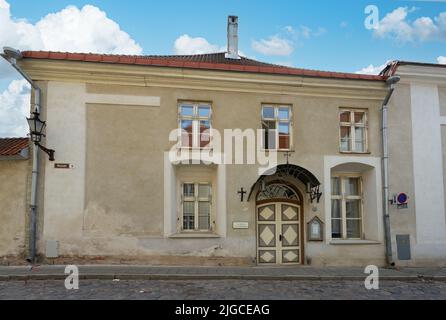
column 391, row 81
column 12, row 55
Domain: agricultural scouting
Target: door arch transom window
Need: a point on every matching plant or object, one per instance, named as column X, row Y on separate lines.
column 277, row 191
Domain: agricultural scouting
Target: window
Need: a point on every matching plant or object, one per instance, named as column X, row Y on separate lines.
column 276, row 123
column 195, row 124
column 353, row 131
column 196, row 206
column 346, row 207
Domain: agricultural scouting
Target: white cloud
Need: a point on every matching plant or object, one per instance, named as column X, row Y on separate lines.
column 396, row 25
column 273, row 46
column 14, row 108
column 72, row 29
column 371, row 69
column 441, row 60
column 188, row 45
column 304, row 32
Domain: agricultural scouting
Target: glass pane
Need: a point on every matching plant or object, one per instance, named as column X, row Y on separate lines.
column 335, row 186
column 187, row 111
column 360, row 146
column 186, row 125
column 205, row 140
column 359, row 139
column 284, row 113
column 205, row 125
column 269, row 133
column 284, row 142
column 359, row 133
column 204, row 191
column 188, row 215
column 188, row 223
column 268, row 113
column 284, row 135
column 345, row 116
column 204, row 111
column 353, row 208
column 345, row 138
column 354, row 229
column 188, row 190
column 336, row 228
column 284, row 128
column 186, row 133
column 352, row 186
column 336, row 208
column 205, row 136
column 204, row 213
column 359, row 117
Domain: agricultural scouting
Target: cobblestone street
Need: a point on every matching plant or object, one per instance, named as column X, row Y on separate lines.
column 221, row 290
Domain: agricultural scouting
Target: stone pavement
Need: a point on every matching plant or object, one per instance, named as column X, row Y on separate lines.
column 222, row 290
column 139, row 272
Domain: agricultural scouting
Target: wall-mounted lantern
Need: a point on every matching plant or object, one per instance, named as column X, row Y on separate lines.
column 36, row 128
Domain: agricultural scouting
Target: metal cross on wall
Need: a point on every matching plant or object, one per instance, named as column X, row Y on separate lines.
column 242, row 193
column 287, row 155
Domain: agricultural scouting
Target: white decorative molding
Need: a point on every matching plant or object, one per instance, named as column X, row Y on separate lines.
column 374, row 194
column 147, row 101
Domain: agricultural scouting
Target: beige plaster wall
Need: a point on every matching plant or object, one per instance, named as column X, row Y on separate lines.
column 112, row 203
column 13, row 209
column 403, row 221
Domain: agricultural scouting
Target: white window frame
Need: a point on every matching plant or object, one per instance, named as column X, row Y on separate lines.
column 277, row 121
column 352, row 124
column 343, row 197
column 195, row 118
column 196, row 199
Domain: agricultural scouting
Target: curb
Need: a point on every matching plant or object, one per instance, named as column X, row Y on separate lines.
column 126, row 277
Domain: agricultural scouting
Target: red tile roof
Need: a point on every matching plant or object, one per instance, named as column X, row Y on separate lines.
column 12, row 146
column 212, row 61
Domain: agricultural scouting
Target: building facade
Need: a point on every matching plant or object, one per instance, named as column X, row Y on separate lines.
column 417, row 137
column 119, row 190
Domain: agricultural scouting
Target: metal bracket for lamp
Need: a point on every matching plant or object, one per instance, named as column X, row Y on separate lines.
column 49, row 152
column 314, row 193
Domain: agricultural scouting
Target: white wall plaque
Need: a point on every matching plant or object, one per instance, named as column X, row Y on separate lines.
column 240, row 225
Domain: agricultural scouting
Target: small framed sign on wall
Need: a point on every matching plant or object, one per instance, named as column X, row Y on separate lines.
column 315, row 230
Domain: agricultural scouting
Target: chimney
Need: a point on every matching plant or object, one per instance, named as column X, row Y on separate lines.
column 232, row 38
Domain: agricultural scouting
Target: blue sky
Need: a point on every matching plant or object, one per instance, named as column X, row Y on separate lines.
column 156, row 24
column 316, row 34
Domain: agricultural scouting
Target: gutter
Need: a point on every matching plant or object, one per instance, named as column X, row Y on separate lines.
column 391, row 81
column 11, row 56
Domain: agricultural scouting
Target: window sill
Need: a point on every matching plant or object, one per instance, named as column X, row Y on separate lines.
column 354, row 152
column 195, row 148
column 277, row 150
column 354, row 242
column 194, row 235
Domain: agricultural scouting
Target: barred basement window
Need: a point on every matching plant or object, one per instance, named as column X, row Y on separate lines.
column 196, row 207
column 353, row 131
column 346, row 207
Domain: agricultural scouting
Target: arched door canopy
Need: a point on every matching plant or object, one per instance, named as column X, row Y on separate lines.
column 294, row 172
